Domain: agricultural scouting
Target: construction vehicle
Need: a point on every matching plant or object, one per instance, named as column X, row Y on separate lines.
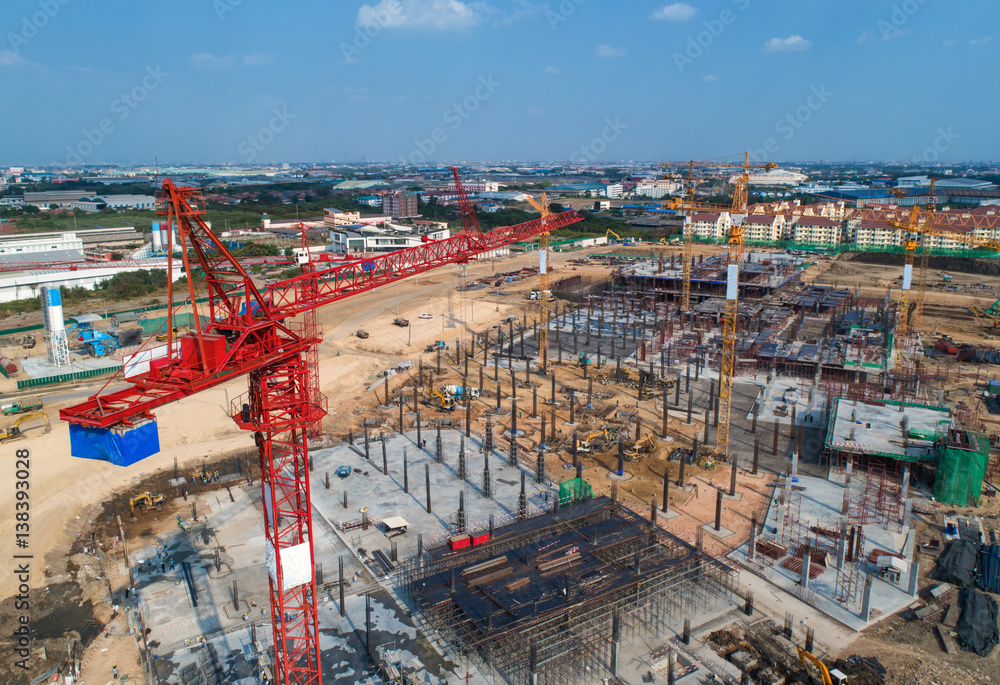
column 28, row 341
column 22, row 407
column 828, row 677
column 610, row 233
column 15, row 433
column 636, row 450
column 458, row 391
column 249, row 334
column 447, row 403
column 176, row 332
column 146, row 501
column 585, row 444
column 436, row 345
column 583, row 360
column 401, row 322
column 362, row 333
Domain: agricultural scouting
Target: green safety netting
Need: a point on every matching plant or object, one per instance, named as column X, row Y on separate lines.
column 574, row 490
column 961, row 470
column 157, row 324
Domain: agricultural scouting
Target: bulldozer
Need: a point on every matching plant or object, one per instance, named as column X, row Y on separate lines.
column 362, row 333
column 146, row 501
column 14, row 432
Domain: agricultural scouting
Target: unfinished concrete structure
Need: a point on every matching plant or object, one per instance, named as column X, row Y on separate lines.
column 553, row 599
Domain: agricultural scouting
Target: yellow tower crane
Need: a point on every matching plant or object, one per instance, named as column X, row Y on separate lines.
column 741, row 195
column 543, row 283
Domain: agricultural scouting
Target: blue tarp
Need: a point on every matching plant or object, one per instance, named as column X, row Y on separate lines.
column 119, row 448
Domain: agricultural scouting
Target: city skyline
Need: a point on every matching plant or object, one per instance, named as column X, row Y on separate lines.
column 432, row 81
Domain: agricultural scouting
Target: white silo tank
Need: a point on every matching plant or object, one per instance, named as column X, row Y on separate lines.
column 55, row 330
column 157, row 243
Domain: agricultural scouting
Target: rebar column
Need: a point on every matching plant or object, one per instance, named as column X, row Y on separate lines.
column 541, row 442
column 406, row 475
column 756, row 454
column 427, row 480
column 438, row 451
column 522, row 500
column 420, row 444
column 385, row 458
column 774, row 436
column 368, row 455
column 666, row 489
column 690, row 407
column 621, row 455
column 400, row 413
column 499, row 393
column 487, row 481
column 534, row 402
column 462, row 472
column 718, row 509
column 513, row 433
column 680, row 475
column 468, row 413
column 553, row 387
column 590, row 392
column 666, row 414
column 439, row 361
column 461, row 512
column 340, row 567
column 732, row 481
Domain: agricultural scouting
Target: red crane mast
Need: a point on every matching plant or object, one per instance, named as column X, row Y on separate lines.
column 247, row 331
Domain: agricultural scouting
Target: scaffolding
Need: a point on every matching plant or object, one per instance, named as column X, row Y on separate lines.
column 552, row 596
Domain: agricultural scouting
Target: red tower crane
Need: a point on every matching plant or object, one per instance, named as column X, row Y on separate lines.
column 248, row 331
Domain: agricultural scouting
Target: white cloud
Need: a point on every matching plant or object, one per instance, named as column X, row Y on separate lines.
column 553, row 71
column 535, row 111
column 981, row 41
column 679, row 11
column 794, row 43
column 9, row 58
column 864, row 38
column 258, row 59
column 208, row 61
column 949, row 43
column 439, row 15
column 608, row 52
column 710, row 78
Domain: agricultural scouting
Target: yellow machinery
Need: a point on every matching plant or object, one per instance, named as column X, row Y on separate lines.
column 146, row 501
column 162, row 337
column 612, row 233
column 14, row 432
column 829, row 677
column 639, row 447
column 584, row 444
column 447, row 403
column 543, row 283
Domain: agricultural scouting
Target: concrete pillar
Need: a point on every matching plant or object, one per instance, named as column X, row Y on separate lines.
column 756, row 454
column 385, row 458
column 804, row 580
column 666, row 490
column 732, row 481
column 340, row 566
column 615, row 642
column 427, row 479
column 914, row 573
column 842, row 544
column 406, row 477
column 866, row 602
column 534, row 402
column 718, row 509
column 666, row 415
column 752, row 541
column 621, row 455
column 680, row 475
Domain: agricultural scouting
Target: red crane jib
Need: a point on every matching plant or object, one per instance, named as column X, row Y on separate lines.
column 254, row 341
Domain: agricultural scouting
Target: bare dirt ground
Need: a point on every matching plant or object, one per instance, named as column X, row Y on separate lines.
column 67, row 493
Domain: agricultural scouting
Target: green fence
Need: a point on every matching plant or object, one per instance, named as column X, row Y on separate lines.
column 574, row 490
column 65, row 377
column 961, row 470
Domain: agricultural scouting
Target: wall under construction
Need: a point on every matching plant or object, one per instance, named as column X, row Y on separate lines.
column 552, row 599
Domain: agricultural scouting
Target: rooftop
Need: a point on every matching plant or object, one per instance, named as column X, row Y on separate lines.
column 862, row 428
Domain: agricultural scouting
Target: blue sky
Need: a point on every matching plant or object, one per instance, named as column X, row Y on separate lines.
column 440, row 80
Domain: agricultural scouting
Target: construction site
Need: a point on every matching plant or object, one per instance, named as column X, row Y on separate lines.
column 505, row 486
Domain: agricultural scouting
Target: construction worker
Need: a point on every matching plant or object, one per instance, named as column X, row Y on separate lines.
column 114, row 671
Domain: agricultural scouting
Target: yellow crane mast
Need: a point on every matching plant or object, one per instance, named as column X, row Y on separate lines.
column 543, row 284
column 728, row 361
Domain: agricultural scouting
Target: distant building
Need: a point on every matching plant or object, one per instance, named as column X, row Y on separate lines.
column 764, row 227
column 476, row 186
column 657, row 188
column 360, row 240
column 370, row 200
column 773, row 177
column 602, row 205
column 816, row 230
column 712, row 225
column 614, row 191
column 75, row 199
column 400, row 205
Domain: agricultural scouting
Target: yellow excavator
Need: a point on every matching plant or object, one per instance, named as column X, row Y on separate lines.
column 610, row 233
column 639, row 447
column 829, row 677
column 146, row 501
column 14, row 432
column 447, row 402
column 585, row 445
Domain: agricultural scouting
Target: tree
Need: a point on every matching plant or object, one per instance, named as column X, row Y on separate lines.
column 31, row 209
column 53, row 206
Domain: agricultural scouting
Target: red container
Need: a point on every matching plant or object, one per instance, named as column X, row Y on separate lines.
column 481, row 538
column 459, row 541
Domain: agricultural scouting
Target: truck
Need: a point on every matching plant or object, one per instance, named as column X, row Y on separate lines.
column 458, row 391
column 22, row 407
column 437, row 345
column 401, row 322
column 362, row 333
